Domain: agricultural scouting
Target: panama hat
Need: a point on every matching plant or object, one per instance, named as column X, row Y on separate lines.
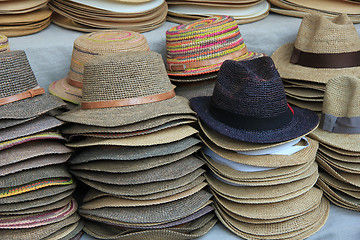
column 119, row 166
column 20, row 95
column 198, row 47
column 144, row 191
column 131, row 153
column 234, row 111
column 87, row 47
column 338, row 124
column 316, row 55
column 4, row 44
column 135, row 97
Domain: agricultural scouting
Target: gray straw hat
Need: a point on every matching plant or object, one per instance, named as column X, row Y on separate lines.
column 126, row 88
column 20, row 95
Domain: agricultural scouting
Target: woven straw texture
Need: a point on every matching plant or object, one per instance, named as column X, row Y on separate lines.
column 204, row 39
column 318, row 34
column 4, row 44
column 123, row 76
column 5, row 123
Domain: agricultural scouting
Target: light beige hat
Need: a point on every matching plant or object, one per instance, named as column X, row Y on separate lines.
column 124, row 96
column 338, row 156
column 324, row 48
column 339, row 123
column 160, row 137
column 335, row 183
column 343, row 166
column 340, row 151
column 87, row 47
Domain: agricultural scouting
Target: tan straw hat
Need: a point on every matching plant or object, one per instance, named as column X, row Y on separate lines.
column 87, row 47
column 324, row 48
column 339, row 124
column 126, row 96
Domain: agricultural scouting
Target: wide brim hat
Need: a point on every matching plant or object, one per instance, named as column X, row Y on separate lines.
column 65, row 91
column 131, row 98
column 233, row 108
column 313, row 38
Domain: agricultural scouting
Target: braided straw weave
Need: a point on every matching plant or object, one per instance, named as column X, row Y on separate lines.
column 4, row 44
column 204, row 39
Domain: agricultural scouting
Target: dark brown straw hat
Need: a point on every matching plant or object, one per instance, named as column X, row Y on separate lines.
column 249, row 104
column 20, row 95
column 126, row 88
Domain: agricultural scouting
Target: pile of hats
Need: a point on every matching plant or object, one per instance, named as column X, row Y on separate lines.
column 339, row 137
column 23, row 17
column 195, row 52
column 87, row 47
column 244, row 11
column 262, row 166
column 330, row 8
column 94, row 15
column 135, row 149
column 36, row 188
column 316, row 56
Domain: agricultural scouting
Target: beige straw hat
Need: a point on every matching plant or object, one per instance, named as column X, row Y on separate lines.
column 339, row 124
column 124, row 96
column 335, row 183
column 340, row 150
column 87, row 47
column 343, row 166
column 324, row 48
column 161, row 137
column 338, row 156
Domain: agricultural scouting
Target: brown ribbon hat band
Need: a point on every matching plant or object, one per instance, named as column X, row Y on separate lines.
column 20, row 96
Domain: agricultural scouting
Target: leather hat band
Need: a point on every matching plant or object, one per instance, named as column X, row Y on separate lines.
column 20, row 96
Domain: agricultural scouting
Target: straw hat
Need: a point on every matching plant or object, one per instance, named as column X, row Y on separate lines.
column 339, row 150
column 132, row 153
column 335, row 183
column 37, row 125
column 234, row 111
column 207, row 37
column 338, row 156
column 126, row 96
column 338, row 126
column 72, row 231
column 5, row 123
column 87, row 47
column 4, row 44
column 324, row 48
column 20, row 95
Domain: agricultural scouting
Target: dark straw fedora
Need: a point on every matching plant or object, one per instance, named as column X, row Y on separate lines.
column 249, row 104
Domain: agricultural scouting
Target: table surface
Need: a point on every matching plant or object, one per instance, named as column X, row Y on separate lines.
column 49, row 53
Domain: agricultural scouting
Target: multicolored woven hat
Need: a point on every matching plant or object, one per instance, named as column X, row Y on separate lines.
column 20, row 95
column 324, row 48
column 87, row 47
column 200, row 47
column 4, row 44
column 249, row 104
column 125, row 88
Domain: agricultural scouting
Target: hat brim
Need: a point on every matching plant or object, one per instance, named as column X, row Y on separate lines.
column 6, row 123
column 30, row 107
column 303, row 122
column 281, row 58
column 194, row 78
column 119, row 116
column 62, row 89
column 191, row 90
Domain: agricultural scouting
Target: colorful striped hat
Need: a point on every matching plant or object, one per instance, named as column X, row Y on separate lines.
column 200, row 47
column 4, row 44
column 87, row 47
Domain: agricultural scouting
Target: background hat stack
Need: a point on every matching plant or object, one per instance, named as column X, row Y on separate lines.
column 138, row 156
column 23, row 17
column 244, row 11
column 329, row 8
column 95, row 15
column 36, row 188
column 262, row 167
column 4, row 44
column 195, row 52
column 339, row 137
column 87, row 47
column 316, row 56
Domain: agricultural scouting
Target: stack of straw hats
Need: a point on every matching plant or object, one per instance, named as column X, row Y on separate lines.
column 329, row 8
column 36, row 188
column 135, row 149
column 323, row 49
column 195, row 52
column 95, row 15
column 262, row 167
column 244, row 11
column 87, row 47
column 339, row 137
column 23, row 17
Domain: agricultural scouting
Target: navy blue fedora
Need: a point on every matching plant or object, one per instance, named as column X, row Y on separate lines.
column 249, row 104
